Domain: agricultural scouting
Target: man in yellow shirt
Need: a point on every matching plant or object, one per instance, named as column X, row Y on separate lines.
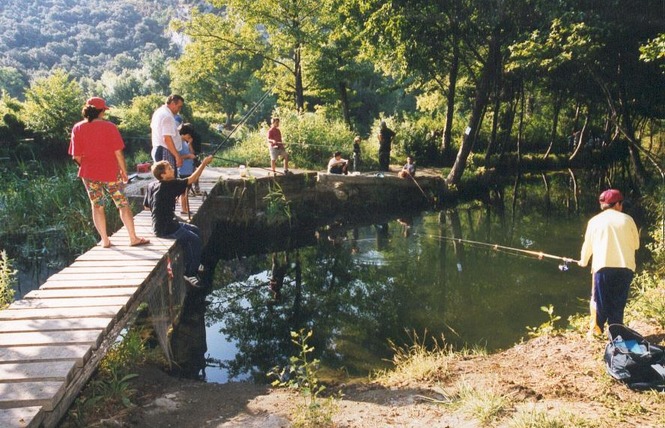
column 611, row 238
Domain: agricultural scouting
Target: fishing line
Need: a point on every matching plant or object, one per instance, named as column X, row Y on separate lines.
column 510, row 250
column 243, row 119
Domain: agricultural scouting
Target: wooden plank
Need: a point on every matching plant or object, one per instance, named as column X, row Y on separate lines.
column 55, row 325
column 19, row 417
column 83, row 269
column 77, row 353
column 70, row 302
column 93, row 283
column 118, row 273
column 109, row 264
column 28, row 394
column 36, row 372
column 62, row 293
column 55, row 313
column 52, row 337
column 128, row 255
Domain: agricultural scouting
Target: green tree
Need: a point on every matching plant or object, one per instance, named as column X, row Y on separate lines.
column 135, row 118
column 217, row 77
column 287, row 30
column 12, row 81
column 52, row 106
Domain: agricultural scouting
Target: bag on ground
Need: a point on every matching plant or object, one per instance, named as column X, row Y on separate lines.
column 633, row 360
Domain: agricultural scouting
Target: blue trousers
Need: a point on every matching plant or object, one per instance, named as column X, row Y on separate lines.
column 189, row 238
column 611, row 287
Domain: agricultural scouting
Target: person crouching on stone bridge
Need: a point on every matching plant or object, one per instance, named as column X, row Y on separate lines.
column 409, row 168
column 337, row 165
column 160, row 199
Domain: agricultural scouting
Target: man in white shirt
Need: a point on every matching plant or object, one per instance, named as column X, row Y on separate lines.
column 166, row 142
column 611, row 238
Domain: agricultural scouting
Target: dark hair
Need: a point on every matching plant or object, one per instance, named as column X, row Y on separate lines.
column 90, row 113
column 337, row 154
column 174, row 99
column 186, row 128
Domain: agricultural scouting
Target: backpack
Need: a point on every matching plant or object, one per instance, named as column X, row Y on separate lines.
column 631, row 359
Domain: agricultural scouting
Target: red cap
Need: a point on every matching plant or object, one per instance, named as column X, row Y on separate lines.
column 610, row 196
column 97, row 103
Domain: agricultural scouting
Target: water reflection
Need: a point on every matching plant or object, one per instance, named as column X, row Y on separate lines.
column 360, row 286
column 385, row 280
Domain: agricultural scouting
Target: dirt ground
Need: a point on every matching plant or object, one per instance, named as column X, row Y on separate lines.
column 554, row 376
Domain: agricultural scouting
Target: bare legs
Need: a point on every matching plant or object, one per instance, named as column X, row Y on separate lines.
column 128, row 220
column 273, row 163
column 184, row 203
column 99, row 219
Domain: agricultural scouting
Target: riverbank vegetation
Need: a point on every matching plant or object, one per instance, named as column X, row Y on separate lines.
column 467, row 86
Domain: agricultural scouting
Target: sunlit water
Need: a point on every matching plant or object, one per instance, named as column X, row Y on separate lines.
column 361, row 288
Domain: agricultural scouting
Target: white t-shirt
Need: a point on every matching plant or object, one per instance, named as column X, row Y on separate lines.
column 163, row 123
column 611, row 238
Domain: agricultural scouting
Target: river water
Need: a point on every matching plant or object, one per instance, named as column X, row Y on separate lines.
column 360, row 287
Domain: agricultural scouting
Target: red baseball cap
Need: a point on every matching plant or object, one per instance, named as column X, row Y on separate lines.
column 610, row 196
column 97, row 103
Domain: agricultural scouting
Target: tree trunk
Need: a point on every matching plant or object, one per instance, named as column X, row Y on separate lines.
column 482, row 95
column 299, row 90
column 558, row 101
column 450, row 102
column 344, row 99
column 580, row 139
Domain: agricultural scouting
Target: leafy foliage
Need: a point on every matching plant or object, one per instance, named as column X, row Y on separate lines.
column 302, row 375
column 83, row 37
column 6, row 280
column 53, row 104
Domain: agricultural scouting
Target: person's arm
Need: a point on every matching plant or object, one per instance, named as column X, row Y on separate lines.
column 192, row 178
column 123, row 166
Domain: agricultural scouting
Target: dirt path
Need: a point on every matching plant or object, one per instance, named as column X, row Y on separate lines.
column 559, row 378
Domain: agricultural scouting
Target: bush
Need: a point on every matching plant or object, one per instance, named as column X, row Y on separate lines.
column 310, row 139
column 7, row 279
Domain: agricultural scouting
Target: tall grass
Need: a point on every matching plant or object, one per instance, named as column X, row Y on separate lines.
column 310, row 138
column 45, row 212
column 7, row 278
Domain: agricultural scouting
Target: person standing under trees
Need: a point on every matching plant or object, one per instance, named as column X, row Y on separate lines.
column 276, row 146
column 611, row 238
column 166, row 142
column 386, row 136
column 96, row 146
column 356, row 153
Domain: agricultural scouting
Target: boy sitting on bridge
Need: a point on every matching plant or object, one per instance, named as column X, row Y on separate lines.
column 160, row 199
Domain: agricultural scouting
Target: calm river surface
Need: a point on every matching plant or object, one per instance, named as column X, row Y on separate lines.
column 357, row 288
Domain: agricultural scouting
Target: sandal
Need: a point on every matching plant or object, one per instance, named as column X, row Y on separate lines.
column 141, row 241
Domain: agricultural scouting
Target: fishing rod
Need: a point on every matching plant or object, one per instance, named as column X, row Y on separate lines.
column 539, row 254
column 418, row 185
column 247, row 165
column 243, row 119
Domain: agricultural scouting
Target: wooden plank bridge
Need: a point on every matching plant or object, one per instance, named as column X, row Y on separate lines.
column 53, row 339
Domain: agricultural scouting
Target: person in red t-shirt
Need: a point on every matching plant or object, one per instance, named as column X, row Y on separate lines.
column 276, row 146
column 96, row 146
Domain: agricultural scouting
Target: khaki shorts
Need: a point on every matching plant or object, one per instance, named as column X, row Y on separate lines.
column 276, row 152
